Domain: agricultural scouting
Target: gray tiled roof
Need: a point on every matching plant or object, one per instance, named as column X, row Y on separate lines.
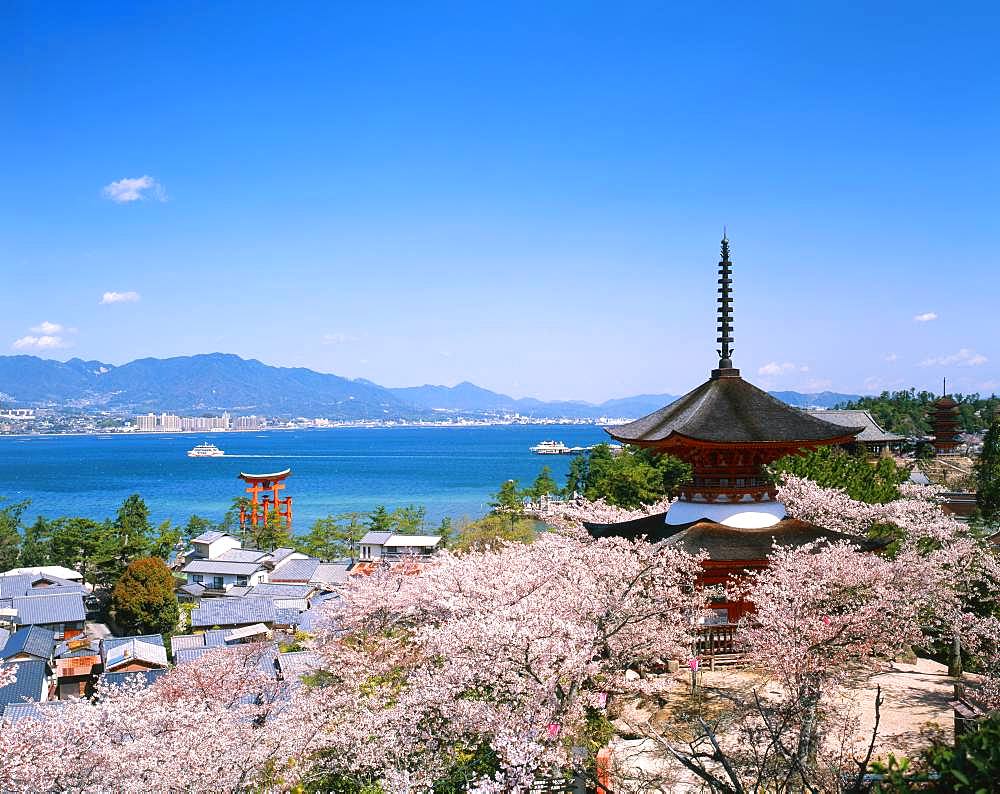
column 331, row 573
column 190, row 654
column 857, row 418
column 193, row 589
column 147, row 676
column 32, row 640
column 27, row 685
column 233, row 612
column 61, row 608
column 15, row 585
column 135, row 650
column 208, row 537
column 279, row 554
column 113, row 642
column 216, row 638
column 295, row 570
column 375, row 538
column 297, row 663
column 286, row 616
column 279, row 590
column 184, row 642
column 221, row 567
column 242, row 555
column 13, row 712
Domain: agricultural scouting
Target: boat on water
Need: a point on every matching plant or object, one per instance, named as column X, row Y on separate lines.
column 550, row 448
column 205, row 451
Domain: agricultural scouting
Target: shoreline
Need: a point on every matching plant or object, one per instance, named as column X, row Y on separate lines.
column 362, row 426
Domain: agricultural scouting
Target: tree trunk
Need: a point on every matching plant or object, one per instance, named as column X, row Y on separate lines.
column 955, row 657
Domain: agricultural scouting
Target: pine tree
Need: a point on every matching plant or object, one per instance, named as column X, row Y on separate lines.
column 988, row 474
column 543, row 485
column 143, row 600
column 10, row 534
column 36, row 548
column 380, row 520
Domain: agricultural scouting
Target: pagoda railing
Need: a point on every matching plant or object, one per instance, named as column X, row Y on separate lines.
column 727, row 493
column 717, row 644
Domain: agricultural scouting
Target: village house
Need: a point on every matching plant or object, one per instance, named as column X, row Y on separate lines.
column 392, row 546
column 78, row 661
column 33, row 682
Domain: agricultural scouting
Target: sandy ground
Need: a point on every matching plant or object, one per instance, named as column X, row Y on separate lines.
column 916, row 703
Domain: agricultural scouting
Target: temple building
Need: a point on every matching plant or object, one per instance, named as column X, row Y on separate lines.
column 944, row 419
column 728, row 430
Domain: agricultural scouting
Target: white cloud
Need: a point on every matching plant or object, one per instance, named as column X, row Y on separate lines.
column 45, row 342
column 47, row 328
column 891, row 357
column 963, row 358
column 774, row 368
column 818, row 384
column 338, row 339
column 926, row 317
column 125, row 190
column 120, row 297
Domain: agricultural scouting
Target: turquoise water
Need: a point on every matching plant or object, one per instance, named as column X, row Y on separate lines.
column 451, row 471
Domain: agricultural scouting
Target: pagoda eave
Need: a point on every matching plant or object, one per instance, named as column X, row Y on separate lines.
column 678, row 441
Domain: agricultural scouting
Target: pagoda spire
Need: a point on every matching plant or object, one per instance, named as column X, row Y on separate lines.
column 725, row 328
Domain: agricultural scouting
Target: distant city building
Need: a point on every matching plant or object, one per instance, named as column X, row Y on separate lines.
column 18, row 414
column 249, row 423
column 152, row 423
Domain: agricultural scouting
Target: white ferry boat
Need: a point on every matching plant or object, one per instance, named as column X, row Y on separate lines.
column 550, row 448
column 205, row 451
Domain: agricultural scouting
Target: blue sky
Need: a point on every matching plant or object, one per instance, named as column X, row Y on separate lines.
column 525, row 195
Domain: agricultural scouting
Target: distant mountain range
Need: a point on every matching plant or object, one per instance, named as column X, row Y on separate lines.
column 214, row 382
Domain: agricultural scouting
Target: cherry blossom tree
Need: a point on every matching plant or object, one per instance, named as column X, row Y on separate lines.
column 223, row 722
column 506, row 650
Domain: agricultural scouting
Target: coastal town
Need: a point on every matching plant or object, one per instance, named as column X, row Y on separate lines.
column 521, row 398
column 757, row 501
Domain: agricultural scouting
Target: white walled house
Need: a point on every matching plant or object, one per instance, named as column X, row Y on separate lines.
column 209, row 545
column 221, row 575
column 393, row 546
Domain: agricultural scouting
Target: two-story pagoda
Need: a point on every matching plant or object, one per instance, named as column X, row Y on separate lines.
column 728, row 430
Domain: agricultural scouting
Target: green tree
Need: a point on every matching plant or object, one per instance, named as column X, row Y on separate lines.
column 165, row 540
column 270, row 534
column 490, row 532
column 10, row 533
column 36, row 548
column 409, row 520
column 874, row 482
column 380, row 520
column 333, row 537
column 543, row 485
column 76, row 543
column 988, row 475
column 143, row 600
column 627, row 477
column 509, row 502
column 194, row 527
column 127, row 539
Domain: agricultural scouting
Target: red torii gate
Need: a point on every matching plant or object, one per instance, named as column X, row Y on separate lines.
column 260, row 510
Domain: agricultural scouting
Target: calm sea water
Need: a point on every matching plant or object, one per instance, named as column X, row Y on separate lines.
column 451, row 471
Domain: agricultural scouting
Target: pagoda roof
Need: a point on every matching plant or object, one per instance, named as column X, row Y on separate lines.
column 728, row 410
column 724, row 543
